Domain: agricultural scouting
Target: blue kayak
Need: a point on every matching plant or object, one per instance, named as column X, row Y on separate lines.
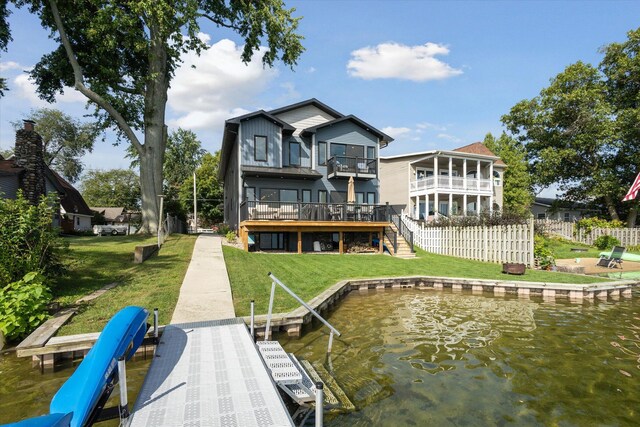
column 92, row 381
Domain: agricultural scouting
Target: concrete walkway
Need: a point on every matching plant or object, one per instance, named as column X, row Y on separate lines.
column 205, row 293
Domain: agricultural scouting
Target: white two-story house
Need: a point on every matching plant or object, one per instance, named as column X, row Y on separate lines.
column 464, row 181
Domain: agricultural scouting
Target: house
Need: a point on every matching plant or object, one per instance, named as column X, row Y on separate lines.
column 286, row 176
column 26, row 170
column 558, row 210
column 119, row 216
column 463, row 181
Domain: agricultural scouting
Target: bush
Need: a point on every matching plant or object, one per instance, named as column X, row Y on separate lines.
column 606, row 242
column 587, row 224
column 28, row 241
column 23, row 306
column 484, row 219
column 223, row 229
column 231, row 237
column 543, row 253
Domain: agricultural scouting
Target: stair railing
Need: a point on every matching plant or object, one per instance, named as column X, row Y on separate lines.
column 267, row 331
column 404, row 231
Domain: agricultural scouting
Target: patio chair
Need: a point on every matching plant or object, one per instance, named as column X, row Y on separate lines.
column 613, row 260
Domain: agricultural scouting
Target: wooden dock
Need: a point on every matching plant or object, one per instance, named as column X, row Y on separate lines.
column 208, row 373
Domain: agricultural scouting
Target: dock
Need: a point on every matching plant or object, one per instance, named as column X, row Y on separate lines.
column 208, row 373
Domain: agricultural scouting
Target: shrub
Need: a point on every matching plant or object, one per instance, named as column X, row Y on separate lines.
column 606, row 242
column 28, row 241
column 587, row 224
column 231, row 237
column 483, row 219
column 223, row 229
column 23, row 306
column 543, row 253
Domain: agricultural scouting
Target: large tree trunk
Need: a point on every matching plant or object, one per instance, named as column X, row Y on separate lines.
column 611, row 207
column 152, row 155
column 633, row 216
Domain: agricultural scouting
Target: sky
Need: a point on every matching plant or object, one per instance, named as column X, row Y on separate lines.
column 431, row 74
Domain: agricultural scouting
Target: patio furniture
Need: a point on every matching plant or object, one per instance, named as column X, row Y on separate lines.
column 613, row 260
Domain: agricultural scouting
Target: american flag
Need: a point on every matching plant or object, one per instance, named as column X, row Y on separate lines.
column 633, row 191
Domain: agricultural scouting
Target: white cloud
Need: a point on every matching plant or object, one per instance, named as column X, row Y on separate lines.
column 205, row 96
column 311, row 70
column 394, row 132
column 26, row 89
column 430, row 126
column 398, row 61
column 10, row 65
column 448, row 137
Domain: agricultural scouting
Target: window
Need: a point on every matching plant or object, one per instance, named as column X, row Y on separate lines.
column 271, row 241
column 567, row 216
column 269, row 195
column 288, row 195
column 338, row 196
column 306, row 196
column 359, row 198
column 542, row 216
column 371, row 152
column 260, row 148
column 322, row 196
column 250, row 194
column 371, row 198
column 422, row 173
column 322, row 153
column 294, row 153
column 496, row 179
column 338, row 150
column 77, row 220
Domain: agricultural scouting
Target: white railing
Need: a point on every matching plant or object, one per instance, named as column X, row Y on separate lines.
column 566, row 230
column 453, row 183
column 498, row 243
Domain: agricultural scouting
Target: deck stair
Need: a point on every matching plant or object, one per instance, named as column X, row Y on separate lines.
column 404, row 250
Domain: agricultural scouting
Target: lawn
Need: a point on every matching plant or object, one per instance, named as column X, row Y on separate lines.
column 562, row 249
column 98, row 261
column 309, row 274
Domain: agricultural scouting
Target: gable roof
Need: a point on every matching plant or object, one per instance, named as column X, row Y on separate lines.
column 381, row 135
column 110, row 213
column 8, row 167
column 260, row 113
column 481, row 149
column 70, row 199
column 313, row 101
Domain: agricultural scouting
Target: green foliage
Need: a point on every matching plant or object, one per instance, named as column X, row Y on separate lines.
column 65, row 140
column 606, row 242
column 28, row 242
column 111, row 188
column 224, row 229
column 587, row 224
column 209, row 191
column 517, row 188
column 231, row 237
column 484, row 218
column 543, row 253
column 23, row 306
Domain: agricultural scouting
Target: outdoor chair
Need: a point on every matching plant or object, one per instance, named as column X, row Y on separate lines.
column 613, row 260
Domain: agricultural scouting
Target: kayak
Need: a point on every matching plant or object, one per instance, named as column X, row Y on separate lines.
column 625, row 256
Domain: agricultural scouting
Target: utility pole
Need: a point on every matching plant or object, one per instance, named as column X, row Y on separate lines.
column 160, row 220
column 195, row 206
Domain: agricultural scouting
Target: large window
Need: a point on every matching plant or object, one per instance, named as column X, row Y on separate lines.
column 371, row 198
column 371, row 152
column 322, row 196
column 288, row 195
column 260, row 148
column 338, row 196
column 359, row 198
column 322, row 153
column 269, row 195
column 306, row 196
column 294, row 153
column 250, row 194
column 348, row 150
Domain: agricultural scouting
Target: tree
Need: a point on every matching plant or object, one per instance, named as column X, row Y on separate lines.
column 184, row 154
column 209, row 191
column 65, row 140
column 517, row 192
column 123, row 55
column 5, row 38
column 111, row 188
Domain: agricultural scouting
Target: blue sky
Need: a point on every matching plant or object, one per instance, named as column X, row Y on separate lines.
column 431, row 74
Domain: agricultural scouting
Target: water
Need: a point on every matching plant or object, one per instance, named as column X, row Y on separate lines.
column 25, row 392
column 423, row 357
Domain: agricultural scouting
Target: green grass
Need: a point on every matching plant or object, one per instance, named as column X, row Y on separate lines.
column 98, row 261
column 562, row 249
column 309, row 274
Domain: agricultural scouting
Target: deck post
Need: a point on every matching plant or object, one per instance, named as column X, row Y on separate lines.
column 253, row 337
column 381, row 241
column 299, row 241
column 155, row 326
column 267, row 330
column 122, row 380
column 341, row 242
column 319, row 404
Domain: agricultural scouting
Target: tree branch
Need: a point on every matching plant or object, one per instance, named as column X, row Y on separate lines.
column 126, row 89
column 217, row 21
column 82, row 88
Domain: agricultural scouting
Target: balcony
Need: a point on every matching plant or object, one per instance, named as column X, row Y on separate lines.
column 454, row 184
column 300, row 211
column 357, row 167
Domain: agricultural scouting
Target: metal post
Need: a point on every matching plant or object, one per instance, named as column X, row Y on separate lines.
column 160, row 219
column 319, row 404
column 195, row 205
column 252, row 321
column 330, row 342
column 122, row 380
column 267, row 330
column 155, row 325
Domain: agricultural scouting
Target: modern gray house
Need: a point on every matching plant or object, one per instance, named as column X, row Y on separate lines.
column 287, row 174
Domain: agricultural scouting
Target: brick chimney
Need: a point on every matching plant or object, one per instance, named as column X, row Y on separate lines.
column 29, row 155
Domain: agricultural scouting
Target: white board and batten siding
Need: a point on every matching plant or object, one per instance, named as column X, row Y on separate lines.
column 499, row 243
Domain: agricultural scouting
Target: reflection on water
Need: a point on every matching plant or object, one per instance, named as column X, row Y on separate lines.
column 422, row 357
column 25, row 392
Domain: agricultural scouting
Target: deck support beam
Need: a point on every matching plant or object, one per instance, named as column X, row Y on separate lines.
column 341, row 242
column 299, row 241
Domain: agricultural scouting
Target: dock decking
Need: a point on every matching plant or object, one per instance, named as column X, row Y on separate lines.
column 208, row 374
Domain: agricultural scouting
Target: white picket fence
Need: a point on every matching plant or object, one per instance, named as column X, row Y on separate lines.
column 499, row 243
column 564, row 229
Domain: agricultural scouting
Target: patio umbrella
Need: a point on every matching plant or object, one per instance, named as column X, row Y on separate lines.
column 351, row 191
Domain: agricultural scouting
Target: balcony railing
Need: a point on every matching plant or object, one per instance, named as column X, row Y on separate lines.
column 358, row 167
column 301, row 211
column 457, row 184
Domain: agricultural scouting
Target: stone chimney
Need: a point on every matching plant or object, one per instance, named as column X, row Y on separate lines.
column 29, row 155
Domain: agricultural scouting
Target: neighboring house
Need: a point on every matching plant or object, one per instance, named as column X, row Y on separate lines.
column 286, row 174
column 119, row 216
column 26, row 170
column 558, row 210
column 463, row 181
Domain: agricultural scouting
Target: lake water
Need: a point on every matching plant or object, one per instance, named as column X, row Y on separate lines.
column 424, row 357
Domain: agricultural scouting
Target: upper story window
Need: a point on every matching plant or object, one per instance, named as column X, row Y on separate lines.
column 294, row 153
column 322, row 153
column 260, row 148
column 371, row 152
column 348, row 150
column 496, row 179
